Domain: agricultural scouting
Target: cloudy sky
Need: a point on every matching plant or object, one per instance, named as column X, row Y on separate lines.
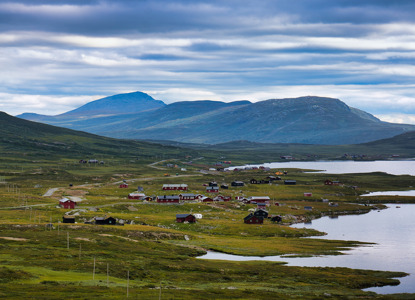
column 59, row 54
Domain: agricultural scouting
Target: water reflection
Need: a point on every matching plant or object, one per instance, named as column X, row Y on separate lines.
column 393, row 231
column 392, row 193
column 394, row 167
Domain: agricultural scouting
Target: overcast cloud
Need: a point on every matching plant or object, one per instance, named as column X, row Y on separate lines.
column 57, row 55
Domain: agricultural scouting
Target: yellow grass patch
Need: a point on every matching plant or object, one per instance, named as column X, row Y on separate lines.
column 13, row 238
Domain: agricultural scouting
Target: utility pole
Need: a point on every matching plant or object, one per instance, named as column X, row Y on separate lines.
column 128, row 280
column 107, row 274
column 93, row 272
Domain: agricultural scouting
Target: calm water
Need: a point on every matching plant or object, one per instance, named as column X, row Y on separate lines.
column 392, row 229
column 392, row 193
column 395, row 167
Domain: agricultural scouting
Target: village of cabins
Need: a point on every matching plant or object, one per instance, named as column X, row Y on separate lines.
column 256, row 216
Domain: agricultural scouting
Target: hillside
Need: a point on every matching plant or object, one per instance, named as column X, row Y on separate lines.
column 400, row 146
column 27, row 140
column 306, row 120
column 31, row 140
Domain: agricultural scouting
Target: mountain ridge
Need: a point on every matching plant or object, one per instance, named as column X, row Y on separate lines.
column 306, row 120
column 28, row 140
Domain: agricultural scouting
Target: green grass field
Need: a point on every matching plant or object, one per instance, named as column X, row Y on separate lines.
column 155, row 255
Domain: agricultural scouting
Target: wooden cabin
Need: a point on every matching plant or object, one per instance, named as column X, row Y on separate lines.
column 188, row 197
column 290, row 182
column 206, row 199
column 258, row 199
column 105, row 221
column 175, row 187
column 252, row 219
column 181, row 218
column 261, row 213
column 68, row 219
column 67, row 203
column 168, row 199
column 212, row 189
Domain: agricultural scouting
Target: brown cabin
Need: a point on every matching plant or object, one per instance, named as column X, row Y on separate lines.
column 252, row 219
column 181, row 218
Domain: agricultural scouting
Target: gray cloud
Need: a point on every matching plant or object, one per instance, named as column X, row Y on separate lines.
column 124, row 17
column 226, row 50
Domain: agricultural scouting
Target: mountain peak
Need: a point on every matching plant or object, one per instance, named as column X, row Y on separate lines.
column 307, row 120
column 118, row 104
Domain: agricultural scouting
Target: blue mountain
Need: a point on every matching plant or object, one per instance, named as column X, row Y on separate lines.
column 309, row 120
column 121, row 104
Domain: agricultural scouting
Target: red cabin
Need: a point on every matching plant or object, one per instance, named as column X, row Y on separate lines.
column 67, row 203
column 206, row 199
column 212, row 189
column 259, row 199
column 189, row 197
column 181, row 218
column 168, row 199
column 222, row 198
column 174, row 187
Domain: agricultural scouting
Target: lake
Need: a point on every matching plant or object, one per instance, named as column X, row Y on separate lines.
column 392, row 229
column 392, row 193
column 394, row 167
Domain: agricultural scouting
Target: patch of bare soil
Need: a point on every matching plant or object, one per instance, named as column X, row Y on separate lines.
column 84, row 239
column 75, row 193
column 13, row 238
column 121, row 237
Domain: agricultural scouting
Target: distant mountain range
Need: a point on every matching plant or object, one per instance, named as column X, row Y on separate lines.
column 26, row 140
column 307, row 120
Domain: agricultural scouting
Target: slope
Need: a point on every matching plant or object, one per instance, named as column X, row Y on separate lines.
column 31, row 140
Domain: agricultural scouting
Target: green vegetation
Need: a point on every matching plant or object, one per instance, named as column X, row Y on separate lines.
column 156, row 251
column 152, row 255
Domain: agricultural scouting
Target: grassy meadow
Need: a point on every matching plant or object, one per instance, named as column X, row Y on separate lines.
column 152, row 256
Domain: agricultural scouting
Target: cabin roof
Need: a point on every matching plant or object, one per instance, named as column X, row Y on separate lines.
column 258, row 198
column 182, row 215
column 65, row 200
